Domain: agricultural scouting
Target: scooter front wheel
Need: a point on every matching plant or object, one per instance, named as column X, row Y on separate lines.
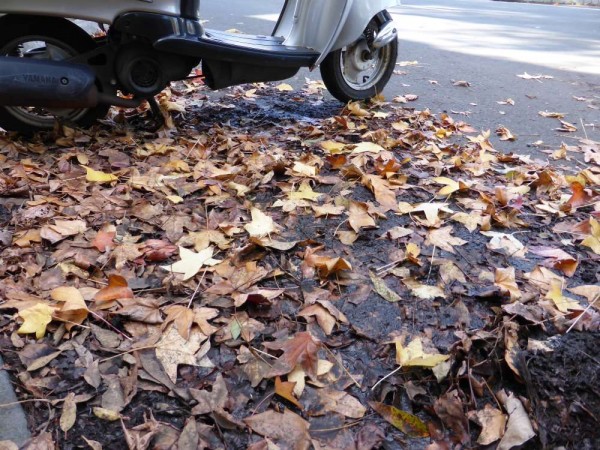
column 357, row 72
column 44, row 38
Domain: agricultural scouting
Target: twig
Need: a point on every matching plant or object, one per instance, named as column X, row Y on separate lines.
column 8, row 405
column 197, row 288
column 583, row 313
column 102, row 319
column 431, row 263
column 583, row 126
column 386, row 377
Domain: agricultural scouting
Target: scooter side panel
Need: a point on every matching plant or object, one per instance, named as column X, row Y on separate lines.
column 311, row 23
column 360, row 15
column 103, row 11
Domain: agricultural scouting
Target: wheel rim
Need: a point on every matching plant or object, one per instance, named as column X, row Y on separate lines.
column 41, row 47
column 362, row 68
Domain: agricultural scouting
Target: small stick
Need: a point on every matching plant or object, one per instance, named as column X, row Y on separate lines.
column 102, row 319
column 386, row 377
column 583, row 313
column 583, row 126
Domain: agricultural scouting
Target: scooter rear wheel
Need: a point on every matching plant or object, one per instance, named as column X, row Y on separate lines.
column 44, row 38
column 355, row 72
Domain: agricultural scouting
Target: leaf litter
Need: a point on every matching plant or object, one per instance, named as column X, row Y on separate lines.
column 276, row 272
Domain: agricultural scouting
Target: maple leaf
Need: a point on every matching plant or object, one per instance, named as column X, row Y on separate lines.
column 367, row 147
column 442, row 238
column 325, row 265
column 358, row 217
column 301, row 349
column 36, row 318
column 593, row 240
column 562, row 303
column 304, row 192
column 172, row 350
column 450, row 186
column 384, row 195
column 333, row 147
column 261, row 224
column 285, row 389
column 288, row 430
column 326, row 314
column 117, row 289
column 413, row 355
column 104, row 239
column 182, row 318
column 431, row 211
column 557, row 259
column 191, row 262
column 505, row 280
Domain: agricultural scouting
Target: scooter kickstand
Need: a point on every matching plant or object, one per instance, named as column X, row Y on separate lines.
column 156, row 112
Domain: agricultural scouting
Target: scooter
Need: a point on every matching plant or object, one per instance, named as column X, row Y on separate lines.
column 52, row 68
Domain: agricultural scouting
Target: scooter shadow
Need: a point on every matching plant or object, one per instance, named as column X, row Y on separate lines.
column 265, row 110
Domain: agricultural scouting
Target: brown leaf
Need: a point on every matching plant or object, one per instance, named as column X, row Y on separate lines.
column 505, row 280
column 182, row 317
column 285, row 389
column 301, row 349
column 104, row 240
column 557, row 259
column 288, row 430
column 578, row 198
column 449, row 408
column 117, row 289
column 442, row 238
column 210, row 401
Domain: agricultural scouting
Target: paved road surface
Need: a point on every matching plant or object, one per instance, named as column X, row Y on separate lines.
column 488, row 44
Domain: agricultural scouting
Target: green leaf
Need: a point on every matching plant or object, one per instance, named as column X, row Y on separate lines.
column 405, row 422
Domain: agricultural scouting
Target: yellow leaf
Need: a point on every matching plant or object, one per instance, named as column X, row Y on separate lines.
column 333, row 147
column 74, row 309
column 106, row 414
column 355, row 109
column 304, row 169
column 505, row 280
column 284, row 87
column 174, row 199
column 450, row 187
column 593, row 240
column 562, row 303
column 414, row 356
column 367, row 147
column 382, row 289
column 305, row 192
column 261, row 224
column 36, row 318
column 97, row 176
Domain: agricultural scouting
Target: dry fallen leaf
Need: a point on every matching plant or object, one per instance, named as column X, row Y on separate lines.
column 505, row 280
column 285, row 389
column 413, row 355
column 408, row 423
column 96, row 176
column 593, row 239
column 289, row 430
column 301, row 349
column 172, row 350
column 35, row 319
column 261, row 225
column 191, row 262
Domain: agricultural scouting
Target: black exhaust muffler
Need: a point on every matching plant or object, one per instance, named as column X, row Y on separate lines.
column 51, row 84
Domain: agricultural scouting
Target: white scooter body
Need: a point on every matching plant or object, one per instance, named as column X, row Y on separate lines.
column 322, row 25
column 153, row 42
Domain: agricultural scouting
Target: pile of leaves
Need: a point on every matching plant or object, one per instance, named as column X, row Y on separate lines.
column 253, row 275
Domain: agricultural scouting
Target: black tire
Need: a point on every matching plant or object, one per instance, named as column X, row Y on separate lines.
column 58, row 31
column 332, row 69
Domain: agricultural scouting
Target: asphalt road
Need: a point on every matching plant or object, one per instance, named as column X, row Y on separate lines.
column 487, row 44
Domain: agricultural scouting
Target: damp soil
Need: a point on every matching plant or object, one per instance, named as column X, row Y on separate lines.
column 564, row 387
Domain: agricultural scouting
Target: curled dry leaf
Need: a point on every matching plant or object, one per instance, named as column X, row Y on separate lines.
column 492, row 422
column 505, row 280
column 519, row 429
column 382, row 289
